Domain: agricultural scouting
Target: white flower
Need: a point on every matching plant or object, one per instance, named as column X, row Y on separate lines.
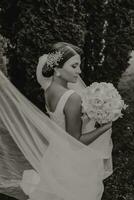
column 102, row 102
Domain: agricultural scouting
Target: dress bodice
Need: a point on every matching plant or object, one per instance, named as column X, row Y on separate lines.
column 58, row 115
column 59, row 118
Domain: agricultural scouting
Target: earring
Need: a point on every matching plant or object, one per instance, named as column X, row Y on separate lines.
column 57, row 74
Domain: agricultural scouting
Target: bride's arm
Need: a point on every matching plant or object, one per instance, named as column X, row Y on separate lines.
column 88, row 138
column 73, row 121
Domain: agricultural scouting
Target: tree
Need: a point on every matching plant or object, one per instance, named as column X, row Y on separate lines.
column 109, row 39
column 103, row 28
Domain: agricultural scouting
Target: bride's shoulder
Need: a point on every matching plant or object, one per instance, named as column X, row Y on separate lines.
column 75, row 97
column 74, row 101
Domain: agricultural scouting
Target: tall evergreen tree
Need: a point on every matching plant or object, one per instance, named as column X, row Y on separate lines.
column 109, row 39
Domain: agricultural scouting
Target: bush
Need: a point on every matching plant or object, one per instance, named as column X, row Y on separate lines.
column 102, row 28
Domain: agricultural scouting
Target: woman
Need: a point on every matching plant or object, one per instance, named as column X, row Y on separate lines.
column 68, row 102
column 103, row 143
column 61, row 67
column 64, row 167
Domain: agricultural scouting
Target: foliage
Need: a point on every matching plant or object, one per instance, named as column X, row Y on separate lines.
column 32, row 28
column 3, row 60
column 109, row 39
column 102, row 27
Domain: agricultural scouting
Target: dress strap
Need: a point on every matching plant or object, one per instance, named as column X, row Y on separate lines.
column 61, row 104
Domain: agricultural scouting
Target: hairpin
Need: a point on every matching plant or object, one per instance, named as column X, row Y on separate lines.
column 53, row 59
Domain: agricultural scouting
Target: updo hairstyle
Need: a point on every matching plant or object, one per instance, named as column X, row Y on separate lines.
column 67, row 50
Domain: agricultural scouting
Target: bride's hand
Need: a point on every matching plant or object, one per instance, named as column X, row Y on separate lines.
column 97, row 125
column 107, row 125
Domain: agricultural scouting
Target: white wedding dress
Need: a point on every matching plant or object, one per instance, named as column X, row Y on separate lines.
column 81, row 187
column 61, row 174
column 102, row 144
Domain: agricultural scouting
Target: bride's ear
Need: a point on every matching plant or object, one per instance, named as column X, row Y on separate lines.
column 56, row 72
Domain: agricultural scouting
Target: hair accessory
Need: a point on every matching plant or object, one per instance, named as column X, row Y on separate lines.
column 53, row 59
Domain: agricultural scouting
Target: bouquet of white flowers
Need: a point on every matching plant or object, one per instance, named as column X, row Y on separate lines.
column 102, row 102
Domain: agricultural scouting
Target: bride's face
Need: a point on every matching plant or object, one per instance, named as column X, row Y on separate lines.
column 71, row 69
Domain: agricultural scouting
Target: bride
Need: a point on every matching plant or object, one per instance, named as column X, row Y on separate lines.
column 56, row 82
column 65, row 166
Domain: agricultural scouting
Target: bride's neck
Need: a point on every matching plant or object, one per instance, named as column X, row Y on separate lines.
column 60, row 81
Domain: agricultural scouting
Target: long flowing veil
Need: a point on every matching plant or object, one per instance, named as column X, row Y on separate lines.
column 36, row 135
